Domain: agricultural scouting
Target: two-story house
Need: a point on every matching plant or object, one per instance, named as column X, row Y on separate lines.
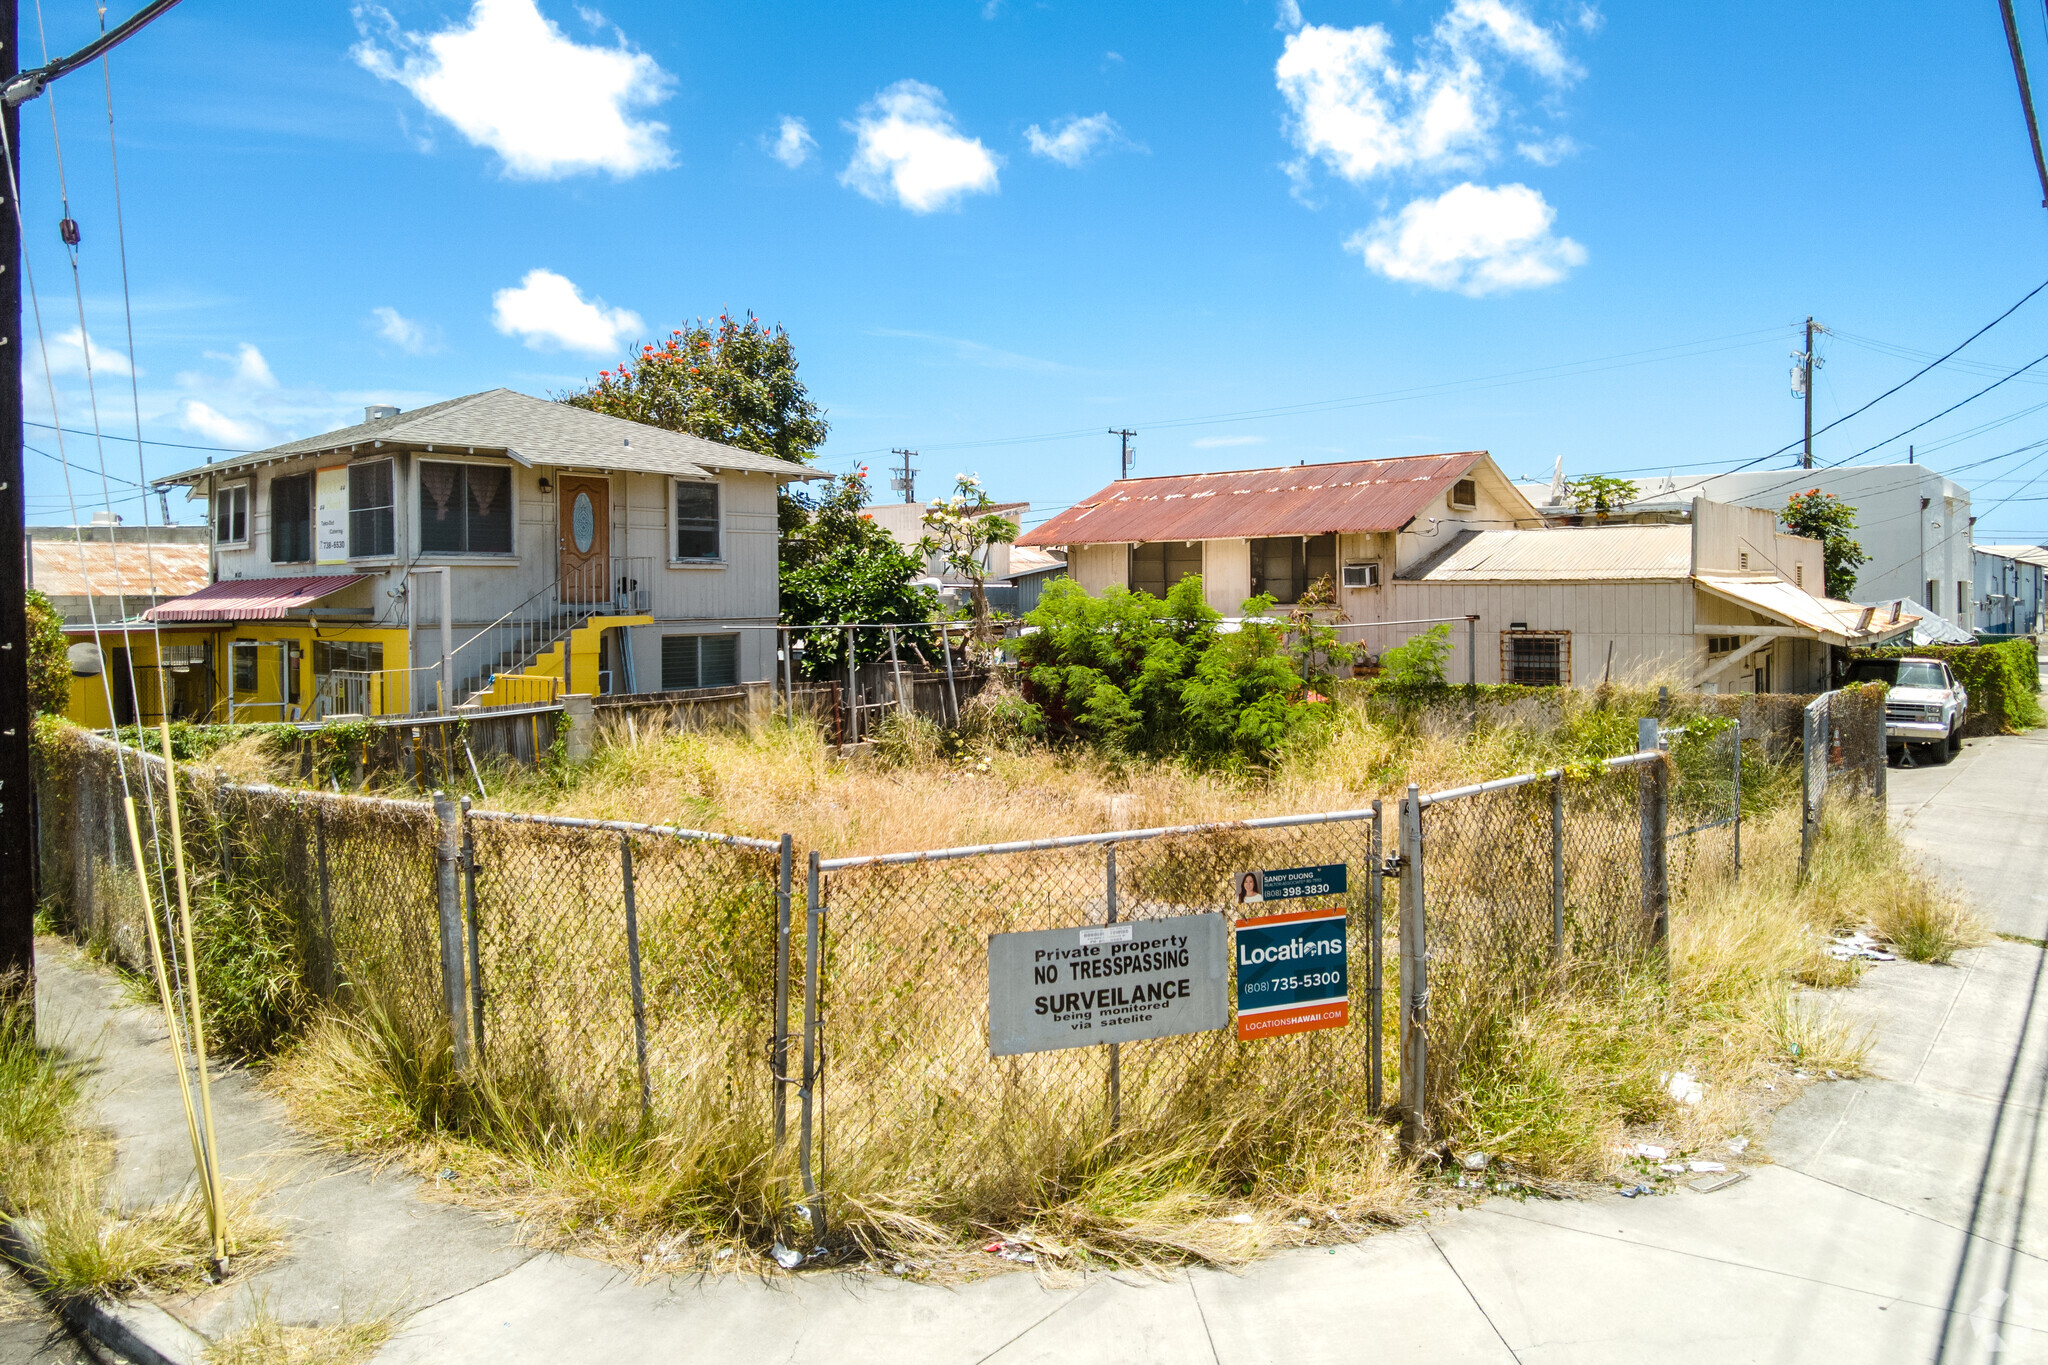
column 573, row 552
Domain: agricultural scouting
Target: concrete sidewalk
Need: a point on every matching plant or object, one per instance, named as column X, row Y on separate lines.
column 1896, row 1224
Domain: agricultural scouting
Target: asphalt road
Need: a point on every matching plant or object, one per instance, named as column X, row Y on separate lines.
column 32, row 1335
column 1981, row 820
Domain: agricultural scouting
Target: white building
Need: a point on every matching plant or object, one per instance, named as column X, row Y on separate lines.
column 1912, row 522
column 2012, row 588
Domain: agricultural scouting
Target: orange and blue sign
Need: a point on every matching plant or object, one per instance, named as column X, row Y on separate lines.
column 1292, row 974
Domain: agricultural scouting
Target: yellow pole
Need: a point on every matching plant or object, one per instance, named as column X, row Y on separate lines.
column 216, row 1214
column 163, row 990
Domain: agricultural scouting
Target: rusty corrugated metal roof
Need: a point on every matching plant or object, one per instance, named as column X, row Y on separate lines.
column 1564, row 555
column 1292, row 500
column 252, row 599
column 65, row 568
column 1835, row 622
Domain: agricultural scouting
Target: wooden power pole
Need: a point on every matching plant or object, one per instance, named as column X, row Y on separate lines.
column 17, row 790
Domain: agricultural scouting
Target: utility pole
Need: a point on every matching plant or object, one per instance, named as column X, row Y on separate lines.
column 1130, row 452
column 17, row 824
column 904, row 480
column 2019, row 71
column 1802, row 387
column 18, row 881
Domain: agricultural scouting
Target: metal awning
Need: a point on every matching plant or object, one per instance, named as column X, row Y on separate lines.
column 252, row 599
column 1818, row 618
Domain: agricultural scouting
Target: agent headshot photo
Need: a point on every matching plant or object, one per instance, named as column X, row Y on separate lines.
column 1251, row 889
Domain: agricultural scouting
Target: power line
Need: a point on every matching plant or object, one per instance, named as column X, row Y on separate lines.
column 1944, row 412
column 109, row 436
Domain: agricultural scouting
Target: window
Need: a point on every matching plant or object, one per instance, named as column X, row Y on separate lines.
column 231, row 515
column 1933, row 598
column 465, row 509
column 1723, row 644
column 1963, row 598
column 1536, row 658
column 291, row 519
column 699, row 661
column 1742, row 559
column 243, row 653
column 1465, row 494
column 696, row 521
column 350, row 656
column 1798, row 575
column 370, row 534
column 1156, row 567
column 1286, row 566
column 1362, row 574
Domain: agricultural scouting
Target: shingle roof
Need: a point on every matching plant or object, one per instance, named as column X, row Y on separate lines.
column 534, row 430
column 1313, row 499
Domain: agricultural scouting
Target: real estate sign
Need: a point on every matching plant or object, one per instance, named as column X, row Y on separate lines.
column 1292, row 974
column 330, row 516
column 1106, row 983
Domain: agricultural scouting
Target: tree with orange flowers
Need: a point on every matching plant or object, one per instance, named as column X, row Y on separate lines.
column 732, row 381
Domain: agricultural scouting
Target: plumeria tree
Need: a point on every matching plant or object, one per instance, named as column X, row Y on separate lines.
column 961, row 527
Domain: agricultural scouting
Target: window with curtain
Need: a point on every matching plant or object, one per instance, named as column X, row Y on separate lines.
column 465, row 509
column 231, row 515
column 699, row 661
column 370, row 522
column 696, row 520
column 1157, row 566
column 1286, row 565
column 291, row 519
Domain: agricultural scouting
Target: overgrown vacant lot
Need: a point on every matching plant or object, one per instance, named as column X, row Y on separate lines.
column 1548, row 1084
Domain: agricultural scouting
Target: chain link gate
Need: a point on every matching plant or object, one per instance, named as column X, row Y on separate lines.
column 896, row 1046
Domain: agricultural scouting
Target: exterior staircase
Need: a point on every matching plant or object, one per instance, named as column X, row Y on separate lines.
column 551, row 643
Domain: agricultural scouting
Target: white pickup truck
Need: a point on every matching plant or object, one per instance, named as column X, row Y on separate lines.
column 1926, row 705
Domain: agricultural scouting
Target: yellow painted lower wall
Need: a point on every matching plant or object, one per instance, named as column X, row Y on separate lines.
column 191, row 694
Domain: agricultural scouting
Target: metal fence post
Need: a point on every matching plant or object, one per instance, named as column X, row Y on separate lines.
column 476, row 933
column 1653, row 791
column 1472, row 669
column 1557, row 868
column 1737, row 769
column 814, row 925
column 448, row 895
column 1116, row 1088
column 633, row 978
column 896, row 669
column 1375, row 990
column 852, row 692
column 1414, row 979
column 328, row 983
column 778, row 1058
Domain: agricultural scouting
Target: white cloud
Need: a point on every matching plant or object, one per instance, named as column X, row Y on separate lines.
column 910, row 150
column 252, row 371
column 793, row 143
column 402, row 332
column 70, row 349
column 1474, row 239
column 510, row 80
column 1356, row 108
column 1287, row 15
column 1213, row 442
column 1073, row 140
column 202, row 419
column 547, row 312
column 1549, row 151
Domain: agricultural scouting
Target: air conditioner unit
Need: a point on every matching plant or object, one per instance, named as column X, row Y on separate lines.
column 1362, row 573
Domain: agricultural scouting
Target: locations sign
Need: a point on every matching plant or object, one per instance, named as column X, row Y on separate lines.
column 1108, row 983
column 1292, row 974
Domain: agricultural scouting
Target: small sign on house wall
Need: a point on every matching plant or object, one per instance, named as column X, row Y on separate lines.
column 330, row 516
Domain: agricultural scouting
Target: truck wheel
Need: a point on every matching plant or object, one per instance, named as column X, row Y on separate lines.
column 1955, row 740
column 1939, row 751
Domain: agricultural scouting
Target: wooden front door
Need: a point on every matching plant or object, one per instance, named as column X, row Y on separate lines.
column 586, row 539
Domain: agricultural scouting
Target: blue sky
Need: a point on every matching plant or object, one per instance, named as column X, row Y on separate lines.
column 996, row 228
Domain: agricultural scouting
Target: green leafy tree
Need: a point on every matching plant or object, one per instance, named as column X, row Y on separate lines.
column 1600, row 493
column 49, row 657
column 1827, row 519
column 1414, row 671
column 732, row 382
column 961, row 527
column 838, row 566
column 1133, row 673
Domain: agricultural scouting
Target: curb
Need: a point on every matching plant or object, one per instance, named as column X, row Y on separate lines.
column 142, row 1332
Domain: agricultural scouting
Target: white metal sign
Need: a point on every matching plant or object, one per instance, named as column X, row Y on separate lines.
column 1106, row 983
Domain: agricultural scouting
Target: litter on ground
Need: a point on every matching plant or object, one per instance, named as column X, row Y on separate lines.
column 1681, row 1086
column 1859, row 944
